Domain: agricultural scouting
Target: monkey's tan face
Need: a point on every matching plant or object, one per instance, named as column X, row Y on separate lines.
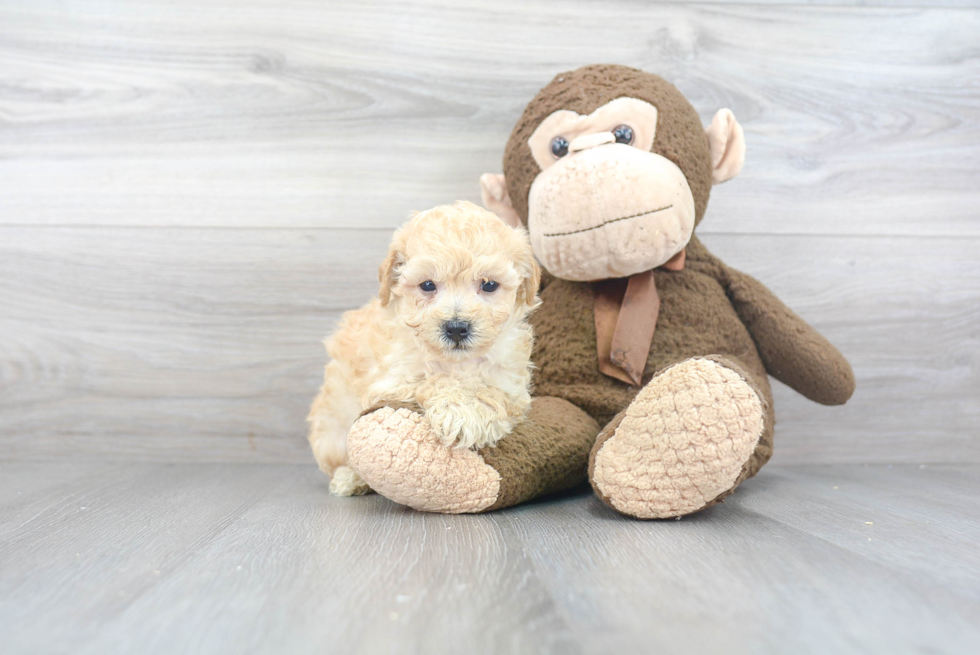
column 604, row 205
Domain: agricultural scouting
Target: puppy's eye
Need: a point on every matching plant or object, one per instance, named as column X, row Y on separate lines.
column 428, row 285
column 559, row 147
column 489, row 286
column 623, row 134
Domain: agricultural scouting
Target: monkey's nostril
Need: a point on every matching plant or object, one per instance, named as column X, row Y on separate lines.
column 456, row 331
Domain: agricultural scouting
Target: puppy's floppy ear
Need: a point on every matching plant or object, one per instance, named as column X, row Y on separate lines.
column 388, row 272
column 531, row 272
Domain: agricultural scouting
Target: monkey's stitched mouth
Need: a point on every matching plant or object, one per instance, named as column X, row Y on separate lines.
column 605, row 223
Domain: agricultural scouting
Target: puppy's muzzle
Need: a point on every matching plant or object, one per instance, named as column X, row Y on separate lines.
column 456, row 331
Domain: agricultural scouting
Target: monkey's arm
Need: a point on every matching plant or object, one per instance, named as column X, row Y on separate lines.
column 792, row 351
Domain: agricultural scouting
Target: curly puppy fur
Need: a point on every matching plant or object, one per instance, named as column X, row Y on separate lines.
column 474, row 386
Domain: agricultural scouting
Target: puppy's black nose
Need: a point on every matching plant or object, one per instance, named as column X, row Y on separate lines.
column 456, row 331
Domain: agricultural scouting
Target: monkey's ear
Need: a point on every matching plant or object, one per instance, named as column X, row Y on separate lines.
column 493, row 189
column 727, row 143
column 388, row 272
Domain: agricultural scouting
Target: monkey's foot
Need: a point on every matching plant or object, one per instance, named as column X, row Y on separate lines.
column 399, row 455
column 397, row 452
column 681, row 445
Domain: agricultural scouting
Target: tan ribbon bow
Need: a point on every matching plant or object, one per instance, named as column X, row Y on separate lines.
column 626, row 312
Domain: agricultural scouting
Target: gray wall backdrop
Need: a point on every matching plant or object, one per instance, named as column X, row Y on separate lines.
column 191, row 192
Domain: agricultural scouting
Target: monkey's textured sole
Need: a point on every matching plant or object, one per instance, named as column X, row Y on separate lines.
column 398, row 455
column 682, row 442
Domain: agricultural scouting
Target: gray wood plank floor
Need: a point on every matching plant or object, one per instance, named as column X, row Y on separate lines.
column 232, row 558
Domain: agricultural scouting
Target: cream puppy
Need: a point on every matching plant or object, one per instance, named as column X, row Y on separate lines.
column 448, row 332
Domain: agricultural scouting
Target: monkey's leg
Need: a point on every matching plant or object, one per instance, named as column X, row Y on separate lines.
column 690, row 436
column 396, row 452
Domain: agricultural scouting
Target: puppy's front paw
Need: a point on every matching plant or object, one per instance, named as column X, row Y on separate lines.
column 466, row 425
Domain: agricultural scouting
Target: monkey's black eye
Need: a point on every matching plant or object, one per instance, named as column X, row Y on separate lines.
column 428, row 285
column 559, row 147
column 489, row 286
column 623, row 134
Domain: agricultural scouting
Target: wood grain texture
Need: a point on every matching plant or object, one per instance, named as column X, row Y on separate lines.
column 896, row 514
column 205, row 344
column 83, row 559
column 859, row 120
column 200, row 340
column 736, row 579
column 236, row 558
column 192, row 192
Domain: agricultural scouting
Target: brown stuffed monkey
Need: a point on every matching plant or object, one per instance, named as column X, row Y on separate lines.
column 652, row 355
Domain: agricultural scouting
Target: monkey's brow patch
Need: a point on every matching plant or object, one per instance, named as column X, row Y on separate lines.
column 596, row 227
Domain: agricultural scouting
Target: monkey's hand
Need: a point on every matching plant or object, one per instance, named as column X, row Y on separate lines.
column 792, row 351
